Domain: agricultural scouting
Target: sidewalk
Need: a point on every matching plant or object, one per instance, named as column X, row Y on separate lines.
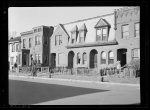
column 76, row 78
column 116, row 93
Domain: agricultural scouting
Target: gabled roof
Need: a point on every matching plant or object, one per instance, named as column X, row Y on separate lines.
column 15, row 39
column 83, row 28
column 74, row 29
column 64, row 29
column 102, row 23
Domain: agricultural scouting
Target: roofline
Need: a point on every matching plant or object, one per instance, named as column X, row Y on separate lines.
column 40, row 26
column 88, row 19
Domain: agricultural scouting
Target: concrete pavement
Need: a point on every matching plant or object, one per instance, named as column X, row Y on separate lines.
column 114, row 94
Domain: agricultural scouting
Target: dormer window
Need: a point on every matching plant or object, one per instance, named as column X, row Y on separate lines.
column 102, row 30
column 82, row 33
column 74, row 33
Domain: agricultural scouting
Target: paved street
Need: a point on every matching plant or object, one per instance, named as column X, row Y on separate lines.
column 38, row 91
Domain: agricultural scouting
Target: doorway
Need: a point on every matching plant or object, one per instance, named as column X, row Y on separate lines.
column 121, row 56
column 53, row 60
column 70, row 59
column 93, row 58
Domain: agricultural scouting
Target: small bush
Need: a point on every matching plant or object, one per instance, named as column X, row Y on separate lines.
column 135, row 64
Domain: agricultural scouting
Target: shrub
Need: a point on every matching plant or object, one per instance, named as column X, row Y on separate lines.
column 135, row 64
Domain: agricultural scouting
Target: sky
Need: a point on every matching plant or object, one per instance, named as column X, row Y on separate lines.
column 21, row 19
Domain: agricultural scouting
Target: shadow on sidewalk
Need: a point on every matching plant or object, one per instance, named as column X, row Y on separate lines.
column 27, row 93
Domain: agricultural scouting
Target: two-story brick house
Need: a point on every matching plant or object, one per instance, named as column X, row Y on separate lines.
column 14, row 52
column 97, row 42
column 35, row 44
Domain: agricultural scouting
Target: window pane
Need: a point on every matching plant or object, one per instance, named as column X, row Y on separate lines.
column 111, row 55
column 125, row 34
column 125, row 28
column 82, row 34
column 103, row 55
column 136, row 53
column 60, row 40
column 78, row 58
column 73, row 35
column 104, row 31
column 99, row 31
column 137, row 26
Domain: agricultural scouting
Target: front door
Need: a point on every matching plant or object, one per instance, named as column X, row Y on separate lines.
column 121, row 56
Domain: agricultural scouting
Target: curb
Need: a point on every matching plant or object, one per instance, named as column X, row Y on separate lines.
column 72, row 80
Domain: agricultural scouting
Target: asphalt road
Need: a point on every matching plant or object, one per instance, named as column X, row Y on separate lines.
column 27, row 91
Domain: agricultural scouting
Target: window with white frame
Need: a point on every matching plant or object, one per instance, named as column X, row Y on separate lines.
column 24, row 40
column 73, row 37
column 110, row 57
column 78, row 58
column 37, row 58
column 19, row 61
column 13, row 47
column 137, row 30
column 84, row 58
column 37, row 40
column 99, row 34
column 102, row 34
column 61, row 59
column 58, row 40
column 17, row 47
column 81, row 36
column 30, row 42
column 103, row 57
column 136, row 53
column 125, row 31
column 11, row 60
column 39, row 29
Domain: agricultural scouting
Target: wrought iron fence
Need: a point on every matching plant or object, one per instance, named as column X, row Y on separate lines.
column 111, row 72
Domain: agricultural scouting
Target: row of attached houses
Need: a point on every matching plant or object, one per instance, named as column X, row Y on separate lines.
column 92, row 43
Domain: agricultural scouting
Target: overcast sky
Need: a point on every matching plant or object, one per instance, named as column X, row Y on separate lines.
column 21, row 19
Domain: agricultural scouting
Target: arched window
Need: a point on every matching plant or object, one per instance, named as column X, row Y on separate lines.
column 103, row 57
column 78, row 58
column 84, row 58
column 110, row 57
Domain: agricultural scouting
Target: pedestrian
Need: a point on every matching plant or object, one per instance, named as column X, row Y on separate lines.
column 118, row 67
column 33, row 64
column 15, row 66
